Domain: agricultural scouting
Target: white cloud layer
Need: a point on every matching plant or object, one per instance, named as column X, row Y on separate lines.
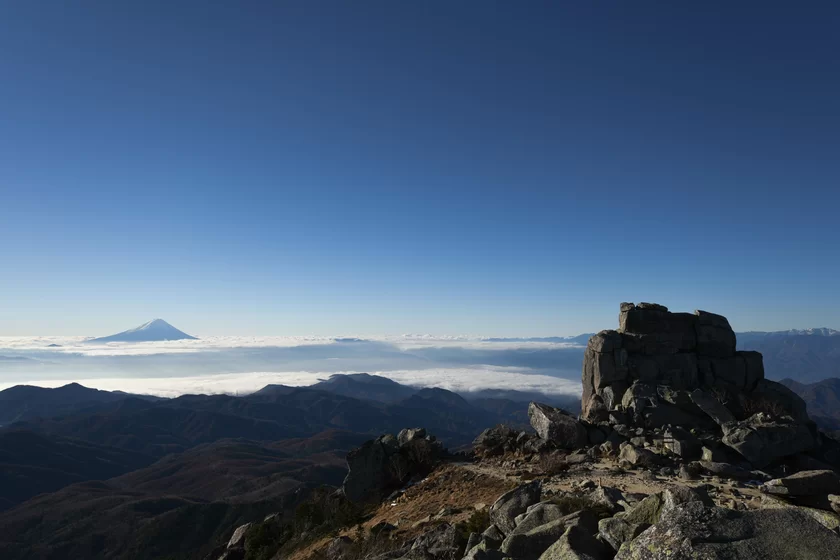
column 463, row 380
column 79, row 344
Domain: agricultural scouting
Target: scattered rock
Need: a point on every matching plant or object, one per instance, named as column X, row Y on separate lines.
column 678, row 495
column 536, row 515
column 504, row 511
column 238, row 537
column 493, row 536
column 606, row 497
column 409, row 434
column 639, row 456
column 577, row 543
column 805, row 483
column 727, row 470
column 711, row 406
column 693, row 530
column 557, row 425
column 615, row 531
column 442, row 542
column 647, row 511
column 761, row 438
column 681, row 442
column 337, row 548
column 834, row 500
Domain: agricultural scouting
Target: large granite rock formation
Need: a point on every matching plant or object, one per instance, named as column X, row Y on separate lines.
column 661, row 370
column 653, row 346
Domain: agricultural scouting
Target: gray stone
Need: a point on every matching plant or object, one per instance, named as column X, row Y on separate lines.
column 338, row 547
column 409, row 434
column 577, row 544
column 493, row 535
column 805, row 483
column 605, row 341
column 238, row 537
column 504, row 511
column 531, row 544
column 494, row 439
column 443, row 541
column 557, row 425
column 828, row 519
column 615, row 531
column 754, row 366
column 373, row 469
column 606, row 370
column 638, row 397
column 761, row 439
column 473, row 540
column 715, row 336
column 728, row 372
column 727, row 470
column 834, row 500
column 536, row 515
column 681, row 442
column 595, row 410
column 481, row 553
column 639, row 456
column 711, row 406
column 606, row 497
column 647, row 511
column 699, row 532
column 678, row 495
column 678, row 371
column 690, row 471
column 613, row 394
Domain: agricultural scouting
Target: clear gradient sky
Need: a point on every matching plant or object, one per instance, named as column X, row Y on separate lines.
column 381, row 166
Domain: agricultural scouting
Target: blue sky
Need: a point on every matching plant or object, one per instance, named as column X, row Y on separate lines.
column 385, row 167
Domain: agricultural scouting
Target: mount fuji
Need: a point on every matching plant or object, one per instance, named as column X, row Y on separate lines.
column 156, row 330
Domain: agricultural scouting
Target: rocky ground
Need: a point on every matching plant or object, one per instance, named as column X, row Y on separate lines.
column 683, row 450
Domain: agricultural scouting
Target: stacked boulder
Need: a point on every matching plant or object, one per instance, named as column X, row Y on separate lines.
column 655, row 347
column 678, row 379
column 679, row 522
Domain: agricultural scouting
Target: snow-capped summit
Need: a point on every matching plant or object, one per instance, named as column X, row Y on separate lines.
column 156, row 330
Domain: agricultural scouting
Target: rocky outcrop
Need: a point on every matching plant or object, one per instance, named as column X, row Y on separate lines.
column 503, row 439
column 678, row 378
column 761, row 438
column 387, row 462
column 694, row 530
column 683, row 351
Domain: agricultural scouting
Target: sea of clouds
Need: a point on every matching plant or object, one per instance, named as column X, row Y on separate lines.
column 240, row 365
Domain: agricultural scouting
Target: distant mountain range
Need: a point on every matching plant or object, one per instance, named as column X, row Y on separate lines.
column 823, row 400
column 103, row 434
column 83, row 470
column 803, row 355
column 156, row 330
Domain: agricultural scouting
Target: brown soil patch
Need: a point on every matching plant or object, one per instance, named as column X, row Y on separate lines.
column 452, row 486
